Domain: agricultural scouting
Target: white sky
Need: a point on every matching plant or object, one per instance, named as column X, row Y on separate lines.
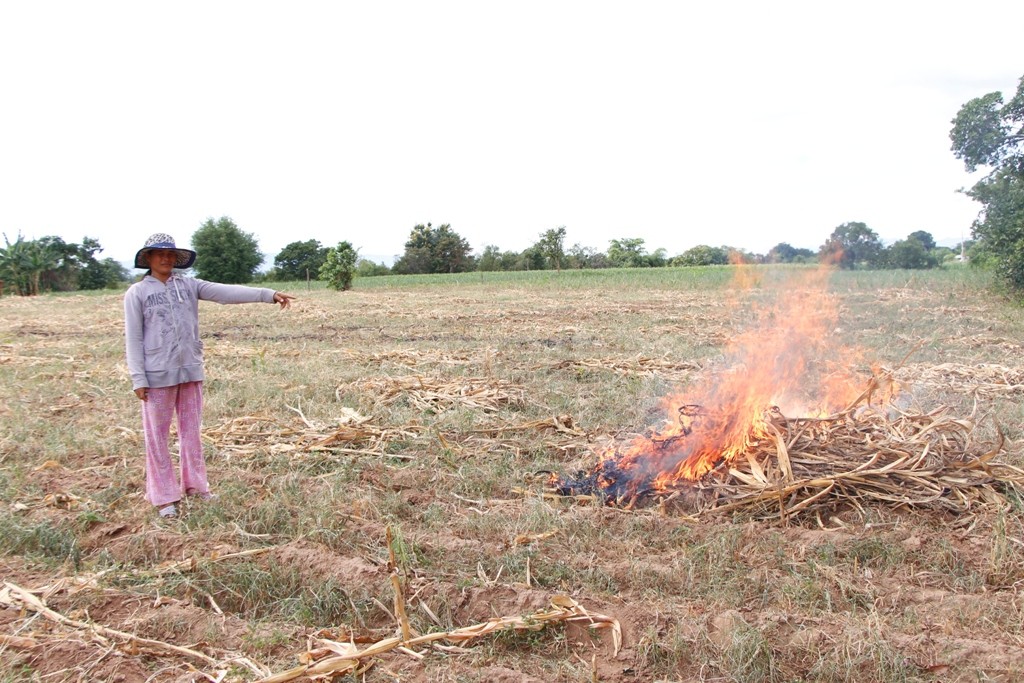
column 733, row 123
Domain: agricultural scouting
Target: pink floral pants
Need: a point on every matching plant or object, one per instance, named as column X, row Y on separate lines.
column 162, row 485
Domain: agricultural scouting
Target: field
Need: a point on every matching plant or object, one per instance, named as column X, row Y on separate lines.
column 383, row 461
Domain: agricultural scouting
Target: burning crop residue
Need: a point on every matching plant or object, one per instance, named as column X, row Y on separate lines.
column 687, row 449
column 791, row 363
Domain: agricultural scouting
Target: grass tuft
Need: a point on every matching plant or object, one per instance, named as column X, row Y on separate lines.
column 40, row 539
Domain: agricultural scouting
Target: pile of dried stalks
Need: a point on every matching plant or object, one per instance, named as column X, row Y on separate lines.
column 850, row 460
column 863, row 456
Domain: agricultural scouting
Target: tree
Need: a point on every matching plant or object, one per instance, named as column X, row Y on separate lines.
column 51, row 264
column 367, row 268
column 586, row 257
column 417, row 258
column 225, row 253
column 852, row 245
column 78, row 267
column 628, row 252
column 984, row 132
column 490, row 259
column 532, row 258
column 452, row 253
column 299, row 260
column 96, row 274
column 551, row 246
column 658, row 258
column 924, row 237
column 24, row 262
column 987, row 132
column 783, row 252
column 910, row 254
column 1000, row 228
column 105, row 274
column 340, row 266
column 739, row 256
column 64, row 261
column 14, row 265
column 434, row 250
column 702, row 255
column 494, row 258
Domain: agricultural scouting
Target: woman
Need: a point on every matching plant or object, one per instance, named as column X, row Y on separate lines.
column 165, row 359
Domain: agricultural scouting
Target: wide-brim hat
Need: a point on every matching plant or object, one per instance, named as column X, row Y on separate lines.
column 185, row 257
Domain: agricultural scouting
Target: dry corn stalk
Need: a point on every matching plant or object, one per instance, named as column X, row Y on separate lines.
column 425, row 393
column 251, row 434
column 396, row 583
column 14, row 596
column 559, row 423
column 411, row 357
column 563, row 609
column 641, row 365
column 987, row 380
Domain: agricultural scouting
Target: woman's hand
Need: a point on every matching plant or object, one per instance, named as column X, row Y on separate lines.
column 142, row 393
column 284, row 299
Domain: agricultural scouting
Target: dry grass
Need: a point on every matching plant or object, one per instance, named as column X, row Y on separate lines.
column 889, row 547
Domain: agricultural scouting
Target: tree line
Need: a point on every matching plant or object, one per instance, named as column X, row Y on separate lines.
column 228, row 254
column 49, row 264
column 432, row 250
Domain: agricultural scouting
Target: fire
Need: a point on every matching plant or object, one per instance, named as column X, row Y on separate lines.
column 791, row 362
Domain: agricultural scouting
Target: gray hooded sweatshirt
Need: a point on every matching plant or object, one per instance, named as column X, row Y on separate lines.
column 161, row 326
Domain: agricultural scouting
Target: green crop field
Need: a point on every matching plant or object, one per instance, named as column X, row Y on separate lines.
column 384, row 460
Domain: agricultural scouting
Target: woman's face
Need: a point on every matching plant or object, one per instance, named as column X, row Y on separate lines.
column 161, row 262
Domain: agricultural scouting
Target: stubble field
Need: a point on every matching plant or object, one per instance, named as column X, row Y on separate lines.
column 382, row 460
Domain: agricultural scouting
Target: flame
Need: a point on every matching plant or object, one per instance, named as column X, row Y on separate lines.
column 791, row 362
